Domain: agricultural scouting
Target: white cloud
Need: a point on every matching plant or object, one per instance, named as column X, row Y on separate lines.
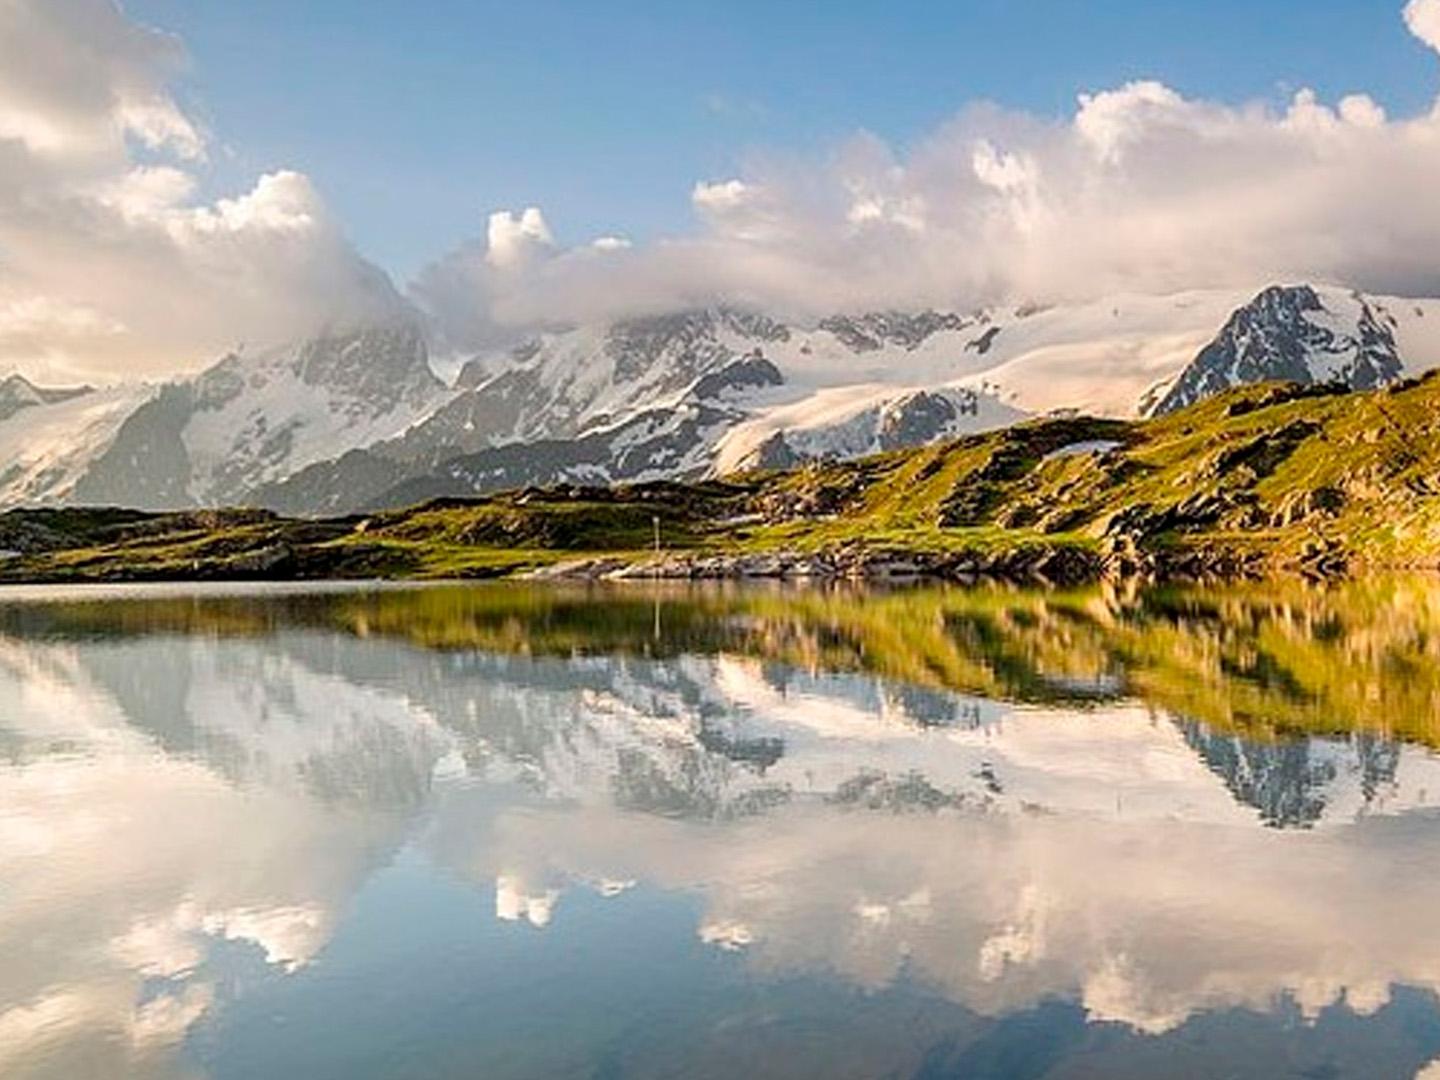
column 719, row 196
column 1423, row 18
column 513, row 239
column 102, row 224
column 111, row 268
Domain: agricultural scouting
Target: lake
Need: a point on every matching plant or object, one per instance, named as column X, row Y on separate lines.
column 511, row 831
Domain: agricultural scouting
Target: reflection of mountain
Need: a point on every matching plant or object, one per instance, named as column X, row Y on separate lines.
column 687, row 725
column 1292, row 783
column 295, row 710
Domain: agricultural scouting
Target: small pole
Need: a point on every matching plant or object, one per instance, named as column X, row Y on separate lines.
column 656, row 520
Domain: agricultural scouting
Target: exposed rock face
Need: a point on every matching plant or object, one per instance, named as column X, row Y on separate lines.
column 671, row 440
column 871, row 332
column 906, row 419
column 18, row 392
column 922, row 417
column 854, row 561
column 1288, row 334
column 148, row 465
column 217, row 438
column 753, row 372
column 660, row 443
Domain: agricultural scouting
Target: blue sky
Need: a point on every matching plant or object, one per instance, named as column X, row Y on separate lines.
column 415, row 120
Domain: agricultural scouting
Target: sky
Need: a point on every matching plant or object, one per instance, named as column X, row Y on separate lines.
column 177, row 176
column 416, row 120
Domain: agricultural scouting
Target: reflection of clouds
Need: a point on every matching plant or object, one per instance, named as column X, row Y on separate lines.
column 728, row 934
column 1143, row 921
column 1100, row 856
column 126, row 868
column 289, row 935
column 513, row 902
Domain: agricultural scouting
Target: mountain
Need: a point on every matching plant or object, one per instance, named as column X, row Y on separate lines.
column 1292, row 334
column 713, row 391
column 49, row 439
column 356, row 419
column 668, row 439
column 679, row 395
column 252, row 419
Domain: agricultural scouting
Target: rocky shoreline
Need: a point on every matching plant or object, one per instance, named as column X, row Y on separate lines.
column 1056, row 565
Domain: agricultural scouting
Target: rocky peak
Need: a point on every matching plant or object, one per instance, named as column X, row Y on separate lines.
column 908, row 330
column 383, row 365
column 18, row 392
column 1291, row 333
column 687, row 341
column 750, row 372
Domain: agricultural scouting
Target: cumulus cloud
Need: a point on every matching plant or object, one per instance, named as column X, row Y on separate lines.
column 1140, row 188
column 108, row 265
column 514, row 239
column 1423, row 18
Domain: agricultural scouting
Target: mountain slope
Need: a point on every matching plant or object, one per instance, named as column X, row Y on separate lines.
column 355, row 419
column 249, row 420
column 613, row 404
column 47, row 446
column 18, row 392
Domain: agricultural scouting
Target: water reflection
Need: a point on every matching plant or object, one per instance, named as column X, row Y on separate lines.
column 537, row 832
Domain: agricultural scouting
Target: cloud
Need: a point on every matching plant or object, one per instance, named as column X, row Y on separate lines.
column 1423, row 18
column 719, row 197
column 113, row 262
column 108, row 265
column 514, row 239
column 1140, row 188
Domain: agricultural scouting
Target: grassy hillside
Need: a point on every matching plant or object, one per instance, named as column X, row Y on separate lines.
column 1264, row 478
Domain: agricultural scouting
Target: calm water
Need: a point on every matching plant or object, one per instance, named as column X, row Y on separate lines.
column 511, row 832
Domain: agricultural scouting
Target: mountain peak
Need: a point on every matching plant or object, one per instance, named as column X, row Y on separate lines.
column 387, row 364
column 1294, row 333
column 17, row 392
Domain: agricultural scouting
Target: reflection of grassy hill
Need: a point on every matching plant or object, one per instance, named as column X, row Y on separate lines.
column 1261, row 477
column 1275, row 658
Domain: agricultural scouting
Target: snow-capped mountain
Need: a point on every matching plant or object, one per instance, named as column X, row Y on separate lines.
column 1291, row 333
column 357, row 419
column 254, row 419
column 47, row 446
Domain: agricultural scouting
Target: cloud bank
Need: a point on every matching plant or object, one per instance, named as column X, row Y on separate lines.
column 111, row 264
column 1139, row 189
column 108, row 262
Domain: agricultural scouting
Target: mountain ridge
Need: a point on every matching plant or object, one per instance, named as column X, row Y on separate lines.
column 356, row 419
